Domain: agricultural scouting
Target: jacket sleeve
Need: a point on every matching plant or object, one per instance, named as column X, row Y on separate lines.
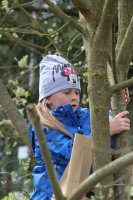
column 59, row 145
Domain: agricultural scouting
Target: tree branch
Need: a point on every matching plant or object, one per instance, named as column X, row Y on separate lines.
column 66, row 17
column 127, row 44
column 101, row 174
column 21, row 30
column 45, row 152
column 24, row 43
column 81, row 4
column 105, row 24
column 120, row 86
column 17, row 120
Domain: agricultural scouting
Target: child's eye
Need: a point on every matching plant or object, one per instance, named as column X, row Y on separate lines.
column 67, row 92
column 77, row 92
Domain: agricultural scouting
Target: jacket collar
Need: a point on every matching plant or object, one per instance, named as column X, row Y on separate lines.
column 63, row 109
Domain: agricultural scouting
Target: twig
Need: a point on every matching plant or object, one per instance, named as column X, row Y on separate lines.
column 66, row 17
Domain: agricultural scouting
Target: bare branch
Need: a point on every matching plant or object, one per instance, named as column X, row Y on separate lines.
column 31, row 31
column 66, row 17
column 121, row 86
column 81, row 4
column 107, row 18
column 127, row 44
column 101, row 174
column 21, row 30
column 24, row 43
column 45, row 152
column 17, row 120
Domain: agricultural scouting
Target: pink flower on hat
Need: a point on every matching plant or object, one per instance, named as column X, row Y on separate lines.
column 69, row 71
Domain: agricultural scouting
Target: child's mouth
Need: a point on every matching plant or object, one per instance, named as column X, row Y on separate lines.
column 74, row 107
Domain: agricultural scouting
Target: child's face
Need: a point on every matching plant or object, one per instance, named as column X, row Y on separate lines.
column 70, row 96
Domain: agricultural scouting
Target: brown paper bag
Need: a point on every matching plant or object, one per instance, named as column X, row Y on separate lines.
column 79, row 165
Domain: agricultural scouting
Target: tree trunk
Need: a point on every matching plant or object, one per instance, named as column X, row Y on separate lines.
column 118, row 102
column 96, row 48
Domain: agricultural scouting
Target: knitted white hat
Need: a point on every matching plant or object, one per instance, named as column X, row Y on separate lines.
column 56, row 74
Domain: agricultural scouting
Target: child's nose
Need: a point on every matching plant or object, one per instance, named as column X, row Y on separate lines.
column 74, row 96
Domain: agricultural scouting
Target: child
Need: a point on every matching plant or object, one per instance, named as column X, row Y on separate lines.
column 59, row 90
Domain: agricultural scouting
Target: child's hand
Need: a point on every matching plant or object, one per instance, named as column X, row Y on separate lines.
column 119, row 123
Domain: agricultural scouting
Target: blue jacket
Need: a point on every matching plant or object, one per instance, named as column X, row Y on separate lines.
column 59, row 145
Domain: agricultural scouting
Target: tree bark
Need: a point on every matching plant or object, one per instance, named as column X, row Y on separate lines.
column 98, row 86
column 118, row 101
column 17, row 120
